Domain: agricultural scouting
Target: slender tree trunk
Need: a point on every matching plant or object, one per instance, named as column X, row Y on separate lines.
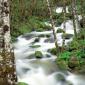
column 64, row 15
column 82, row 12
column 83, row 18
column 74, row 16
column 53, row 25
column 32, row 6
column 7, row 67
column 22, row 9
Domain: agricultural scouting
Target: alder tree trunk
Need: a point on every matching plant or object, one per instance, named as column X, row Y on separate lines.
column 7, row 66
column 64, row 24
column 75, row 17
column 53, row 25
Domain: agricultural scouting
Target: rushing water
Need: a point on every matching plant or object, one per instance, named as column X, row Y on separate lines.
column 43, row 71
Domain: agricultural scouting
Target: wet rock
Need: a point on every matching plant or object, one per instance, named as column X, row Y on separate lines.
column 53, row 51
column 28, row 36
column 42, row 35
column 35, row 46
column 61, row 64
column 47, row 35
column 60, row 77
column 73, row 63
column 82, row 22
column 48, row 56
column 82, row 70
column 60, row 31
column 25, row 70
column 22, row 83
column 68, row 83
column 38, row 54
column 37, row 40
column 31, row 56
column 50, row 40
column 67, row 36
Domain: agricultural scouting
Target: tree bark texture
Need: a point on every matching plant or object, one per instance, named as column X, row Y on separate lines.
column 7, row 66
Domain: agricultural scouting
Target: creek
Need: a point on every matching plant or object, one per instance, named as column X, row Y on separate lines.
column 43, row 71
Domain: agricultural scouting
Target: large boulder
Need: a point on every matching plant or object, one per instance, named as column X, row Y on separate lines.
column 38, row 54
column 73, row 63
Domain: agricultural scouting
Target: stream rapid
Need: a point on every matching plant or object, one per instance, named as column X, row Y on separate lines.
column 43, row 71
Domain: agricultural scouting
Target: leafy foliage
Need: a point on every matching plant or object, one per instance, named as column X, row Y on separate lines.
column 65, row 55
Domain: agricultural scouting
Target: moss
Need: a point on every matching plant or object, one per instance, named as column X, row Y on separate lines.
column 39, row 29
column 82, row 69
column 38, row 54
column 73, row 62
column 42, row 35
column 53, row 51
column 47, row 35
column 60, row 31
column 22, row 83
column 69, row 16
column 68, row 83
column 47, row 27
column 35, row 46
column 67, row 36
column 60, row 77
column 74, row 45
column 61, row 64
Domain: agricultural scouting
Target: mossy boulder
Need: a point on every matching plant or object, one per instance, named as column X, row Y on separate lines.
column 42, row 35
column 48, row 56
column 35, row 46
column 22, row 83
column 73, row 63
column 47, row 27
column 60, row 77
column 82, row 69
column 39, row 29
column 38, row 54
column 61, row 64
column 60, row 31
column 74, row 45
column 69, row 16
column 53, row 51
column 47, row 35
column 37, row 40
column 68, row 83
column 67, row 36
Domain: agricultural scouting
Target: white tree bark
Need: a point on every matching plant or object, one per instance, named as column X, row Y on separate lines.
column 64, row 17
column 53, row 25
column 7, row 63
column 75, row 19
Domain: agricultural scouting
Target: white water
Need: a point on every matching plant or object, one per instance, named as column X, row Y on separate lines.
column 42, row 71
column 60, row 10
